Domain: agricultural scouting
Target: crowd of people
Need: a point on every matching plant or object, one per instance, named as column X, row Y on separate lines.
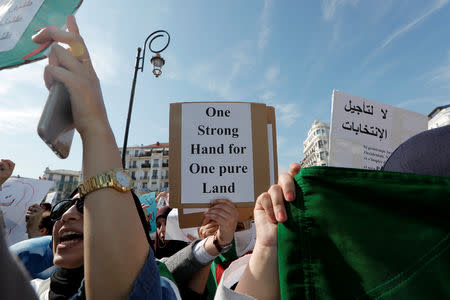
column 94, row 246
column 98, row 242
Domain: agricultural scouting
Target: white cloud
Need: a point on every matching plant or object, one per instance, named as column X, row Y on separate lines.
column 272, row 73
column 16, row 120
column 264, row 33
column 268, row 96
column 287, row 113
column 329, row 7
column 435, row 7
column 22, row 77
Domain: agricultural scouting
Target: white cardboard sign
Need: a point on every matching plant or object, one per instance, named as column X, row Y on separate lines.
column 364, row 133
column 217, row 154
column 16, row 196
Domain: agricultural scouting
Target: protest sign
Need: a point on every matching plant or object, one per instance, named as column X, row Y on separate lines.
column 16, row 196
column 149, row 199
column 219, row 150
column 364, row 133
column 51, row 198
column 19, row 20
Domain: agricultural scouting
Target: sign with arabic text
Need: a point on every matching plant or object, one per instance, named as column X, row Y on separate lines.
column 364, row 132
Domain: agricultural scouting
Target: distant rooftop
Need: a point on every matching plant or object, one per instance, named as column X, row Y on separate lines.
column 437, row 110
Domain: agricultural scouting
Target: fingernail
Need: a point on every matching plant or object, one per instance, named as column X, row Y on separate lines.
column 290, row 196
column 281, row 216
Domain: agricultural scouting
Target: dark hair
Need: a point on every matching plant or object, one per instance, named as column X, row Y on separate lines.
column 46, row 206
column 46, row 222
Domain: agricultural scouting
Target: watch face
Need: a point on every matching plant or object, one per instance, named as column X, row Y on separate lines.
column 123, row 179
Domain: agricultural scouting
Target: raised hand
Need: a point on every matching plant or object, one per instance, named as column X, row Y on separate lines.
column 73, row 67
column 6, row 169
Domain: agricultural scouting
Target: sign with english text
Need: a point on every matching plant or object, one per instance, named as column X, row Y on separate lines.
column 218, row 150
column 364, row 133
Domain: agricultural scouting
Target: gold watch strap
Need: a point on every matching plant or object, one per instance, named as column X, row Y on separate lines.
column 100, row 181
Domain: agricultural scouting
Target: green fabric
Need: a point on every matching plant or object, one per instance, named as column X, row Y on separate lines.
column 164, row 272
column 225, row 258
column 360, row 234
column 51, row 13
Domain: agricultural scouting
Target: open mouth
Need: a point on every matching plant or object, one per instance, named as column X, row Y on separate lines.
column 70, row 237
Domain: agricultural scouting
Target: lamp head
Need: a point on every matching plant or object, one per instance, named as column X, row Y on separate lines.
column 157, row 62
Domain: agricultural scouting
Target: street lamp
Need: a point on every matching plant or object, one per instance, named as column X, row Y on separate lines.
column 157, row 61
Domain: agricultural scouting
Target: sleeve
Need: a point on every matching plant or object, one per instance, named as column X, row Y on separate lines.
column 183, row 263
column 229, row 278
column 151, row 285
column 14, row 284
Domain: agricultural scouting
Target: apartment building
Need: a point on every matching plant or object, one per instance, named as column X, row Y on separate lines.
column 66, row 181
column 440, row 116
column 148, row 167
column 316, row 145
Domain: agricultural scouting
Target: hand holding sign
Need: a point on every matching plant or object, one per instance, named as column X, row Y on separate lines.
column 225, row 214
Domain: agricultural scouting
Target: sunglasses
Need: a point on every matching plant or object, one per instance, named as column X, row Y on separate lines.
column 62, row 206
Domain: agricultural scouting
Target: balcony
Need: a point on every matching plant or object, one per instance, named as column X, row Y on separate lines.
column 155, row 177
column 145, row 166
column 165, row 177
column 165, row 165
column 144, row 178
column 165, row 153
column 146, row 154
column 155, row 166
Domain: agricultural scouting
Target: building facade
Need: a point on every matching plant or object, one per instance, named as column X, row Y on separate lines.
column 148, row 167
column 315, row 147
column 66, row 181
column 440, row 116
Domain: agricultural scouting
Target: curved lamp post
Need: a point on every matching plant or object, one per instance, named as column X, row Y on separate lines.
column 157, row 61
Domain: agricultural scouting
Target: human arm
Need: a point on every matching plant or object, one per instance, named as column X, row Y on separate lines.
column 105, row 239
column 260, row 279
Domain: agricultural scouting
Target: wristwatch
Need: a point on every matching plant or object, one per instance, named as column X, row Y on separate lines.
column 117, row 179
column 221, row 249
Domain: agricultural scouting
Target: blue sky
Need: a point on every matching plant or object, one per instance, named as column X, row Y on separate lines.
column 289, row 54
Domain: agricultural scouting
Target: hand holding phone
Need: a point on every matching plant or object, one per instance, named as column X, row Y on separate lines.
column 56, row 127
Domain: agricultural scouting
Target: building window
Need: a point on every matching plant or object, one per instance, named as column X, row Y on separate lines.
column 133, row 175
column 155, row 174
column 63, row 177
column 50, row 177
column 156, row 163
column 166, row 184
column 153, row 183
column 136, row 152
column 144, row 185
column 323, row 155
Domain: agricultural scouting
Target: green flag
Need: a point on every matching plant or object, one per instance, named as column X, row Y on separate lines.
column 359, row 234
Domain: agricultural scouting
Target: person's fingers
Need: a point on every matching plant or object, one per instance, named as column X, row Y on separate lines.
column 276, row 195
column 52, row 73
column 294, row 168
column 286, row 182
column 226, row 207
column 222, row 201
column 222, row 212
column 218, row 218
column 264, row 202
column 61, row 57
column 72, row 24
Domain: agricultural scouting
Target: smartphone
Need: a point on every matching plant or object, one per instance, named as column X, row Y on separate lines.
column 56, row 127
